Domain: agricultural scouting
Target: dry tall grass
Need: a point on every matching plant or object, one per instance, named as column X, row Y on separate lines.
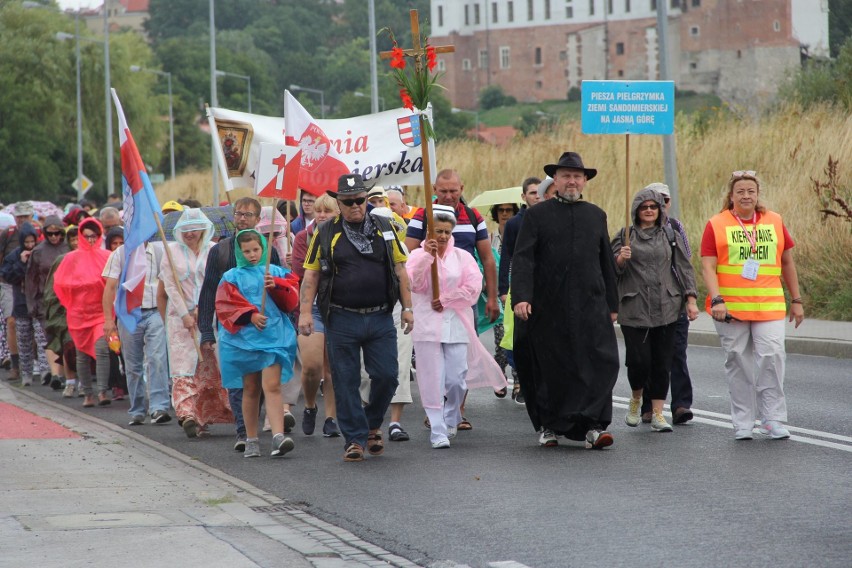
column 787, row 149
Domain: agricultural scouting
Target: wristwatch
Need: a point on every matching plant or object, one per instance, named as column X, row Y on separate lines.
column 408, row 310
column 716, row 301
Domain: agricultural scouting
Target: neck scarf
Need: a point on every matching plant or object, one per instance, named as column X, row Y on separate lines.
column 361, row 234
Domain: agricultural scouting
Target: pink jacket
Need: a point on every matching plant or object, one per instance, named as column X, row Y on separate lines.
column 460, row 283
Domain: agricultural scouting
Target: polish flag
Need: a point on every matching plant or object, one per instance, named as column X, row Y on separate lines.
column 141, row 210
column 321, row 164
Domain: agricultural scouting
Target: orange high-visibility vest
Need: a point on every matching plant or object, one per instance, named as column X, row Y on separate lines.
column 750, row 300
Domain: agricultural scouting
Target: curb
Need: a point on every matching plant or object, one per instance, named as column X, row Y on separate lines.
column 837, row 349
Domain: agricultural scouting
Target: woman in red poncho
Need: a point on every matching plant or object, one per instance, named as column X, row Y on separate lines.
column 79, row 286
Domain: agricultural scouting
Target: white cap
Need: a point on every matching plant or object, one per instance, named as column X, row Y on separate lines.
column 660, row 188
column 437, row 208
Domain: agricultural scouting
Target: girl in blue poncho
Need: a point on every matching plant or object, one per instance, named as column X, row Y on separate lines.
column 260, row 347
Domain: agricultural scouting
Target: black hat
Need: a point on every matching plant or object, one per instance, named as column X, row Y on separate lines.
column 570, row 160
column 347, row 184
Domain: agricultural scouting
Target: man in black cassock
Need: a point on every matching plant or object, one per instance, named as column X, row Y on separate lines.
column 565, row 300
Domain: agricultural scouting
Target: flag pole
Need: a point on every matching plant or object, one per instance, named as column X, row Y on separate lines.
column 627, row 188
column 168, row 250
column 268, row 255
column 427, row 217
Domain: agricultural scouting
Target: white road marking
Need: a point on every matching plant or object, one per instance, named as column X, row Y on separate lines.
column 724, row 421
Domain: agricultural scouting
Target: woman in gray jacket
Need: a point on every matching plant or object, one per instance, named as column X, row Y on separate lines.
column 654, row 280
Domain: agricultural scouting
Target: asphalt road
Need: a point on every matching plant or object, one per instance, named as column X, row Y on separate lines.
column 693, row 497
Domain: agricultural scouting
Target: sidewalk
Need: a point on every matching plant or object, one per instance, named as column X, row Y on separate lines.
column 814, row 337
column 78, row 491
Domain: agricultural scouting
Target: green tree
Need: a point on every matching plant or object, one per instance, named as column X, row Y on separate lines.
column 822, row 81
column 492, row 97
column 839, row 24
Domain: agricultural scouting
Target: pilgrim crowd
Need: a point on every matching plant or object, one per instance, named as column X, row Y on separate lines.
column 252, row 316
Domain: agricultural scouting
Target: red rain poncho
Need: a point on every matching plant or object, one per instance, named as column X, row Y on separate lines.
column 79, row 286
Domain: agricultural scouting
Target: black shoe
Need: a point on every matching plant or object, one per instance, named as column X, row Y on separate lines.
column 681, row 415
column 397, row 434
column 240, row 444
column 289, row 422
column 309, row 420
column 330, row 429
column 160, row 417
column 518, row 396
column 45, row 379
column 56, row 382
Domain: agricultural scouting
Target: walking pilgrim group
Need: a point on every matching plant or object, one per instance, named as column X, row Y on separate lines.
column 226, row 323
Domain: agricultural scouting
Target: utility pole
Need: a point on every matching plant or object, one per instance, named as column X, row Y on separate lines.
column 669, row 155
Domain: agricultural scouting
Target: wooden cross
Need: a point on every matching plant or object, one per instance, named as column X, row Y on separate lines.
column 418, row 52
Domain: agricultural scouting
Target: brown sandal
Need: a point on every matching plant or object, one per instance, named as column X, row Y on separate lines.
column 375, row 445
column 465, row 424
column 353, row 453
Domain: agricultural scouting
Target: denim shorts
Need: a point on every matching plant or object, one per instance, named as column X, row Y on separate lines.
column 319, row 327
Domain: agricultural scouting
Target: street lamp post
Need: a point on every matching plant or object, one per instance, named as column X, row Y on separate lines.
column 381, row 99
column 62, row 36
column 108, row 99
column 247, row 78
column 214, row 100
column 167, row 75
column 318, row 91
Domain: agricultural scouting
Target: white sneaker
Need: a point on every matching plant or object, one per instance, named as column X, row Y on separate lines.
column 633, row 417
column 659, row 424
column 774, row 429
column 547, row 439
column 744, row 434
column 441, row 444
column 451, row 432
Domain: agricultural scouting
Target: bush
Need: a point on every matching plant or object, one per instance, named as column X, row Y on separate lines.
column 574, row 94
column 820, row 81
column 493, row 97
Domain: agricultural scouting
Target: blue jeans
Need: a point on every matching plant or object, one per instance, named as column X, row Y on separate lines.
column 235, row 398
column 346, row 335
column 146, row 347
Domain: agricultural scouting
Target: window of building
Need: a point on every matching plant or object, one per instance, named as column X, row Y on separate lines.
column 440, row 16
column 538, row 85
column 569, row 12
column 693, row 66
column 739, row 54
column 621, row 73
column 466, row 15
column 696, row 3
column 483, row 59
column 619, row 48
column 653, row 5
column 476, row 14
column 776, row 25
column 694, row 31
column 494, row 12
column 530, row 9
column 591, row 7
column 609, row 6
column 538, row 56
column 510, row 11
column 675, row 3
column 466, row 65
column 504, row 57
column 546, row 9
column 563, row 55
column 626, row 5
column 442, row 65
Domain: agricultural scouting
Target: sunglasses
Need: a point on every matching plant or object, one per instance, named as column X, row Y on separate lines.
column 505, row 209
column 246, row 214
column 652, row 207
column 351, row 202
column 743, row 173
column 53, row 233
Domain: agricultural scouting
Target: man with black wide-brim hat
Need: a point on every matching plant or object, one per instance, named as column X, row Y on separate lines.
column 355, row 268
column 565, row 299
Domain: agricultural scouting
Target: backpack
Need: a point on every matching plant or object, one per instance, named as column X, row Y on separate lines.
column 326, row 235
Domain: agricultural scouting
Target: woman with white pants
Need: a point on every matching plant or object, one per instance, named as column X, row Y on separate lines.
column 450, row 358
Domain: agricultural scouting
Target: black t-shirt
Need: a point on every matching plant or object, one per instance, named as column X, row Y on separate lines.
column 361, row 280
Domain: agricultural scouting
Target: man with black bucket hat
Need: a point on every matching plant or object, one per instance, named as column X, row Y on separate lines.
column 355, row 267
column 565, row 299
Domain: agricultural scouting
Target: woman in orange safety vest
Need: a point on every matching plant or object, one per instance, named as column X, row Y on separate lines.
column 745, row 252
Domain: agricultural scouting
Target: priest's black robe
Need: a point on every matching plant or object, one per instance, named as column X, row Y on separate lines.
column 566, row 353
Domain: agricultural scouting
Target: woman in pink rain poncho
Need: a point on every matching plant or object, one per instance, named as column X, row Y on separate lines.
column 197, row 393
column 450, row 358
column 79, row 286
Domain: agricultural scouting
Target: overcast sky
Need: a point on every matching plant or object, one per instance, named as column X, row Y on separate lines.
column 64, row 4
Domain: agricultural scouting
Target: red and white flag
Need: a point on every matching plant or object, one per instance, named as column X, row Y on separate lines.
column 322, row 165
column 278, row 171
